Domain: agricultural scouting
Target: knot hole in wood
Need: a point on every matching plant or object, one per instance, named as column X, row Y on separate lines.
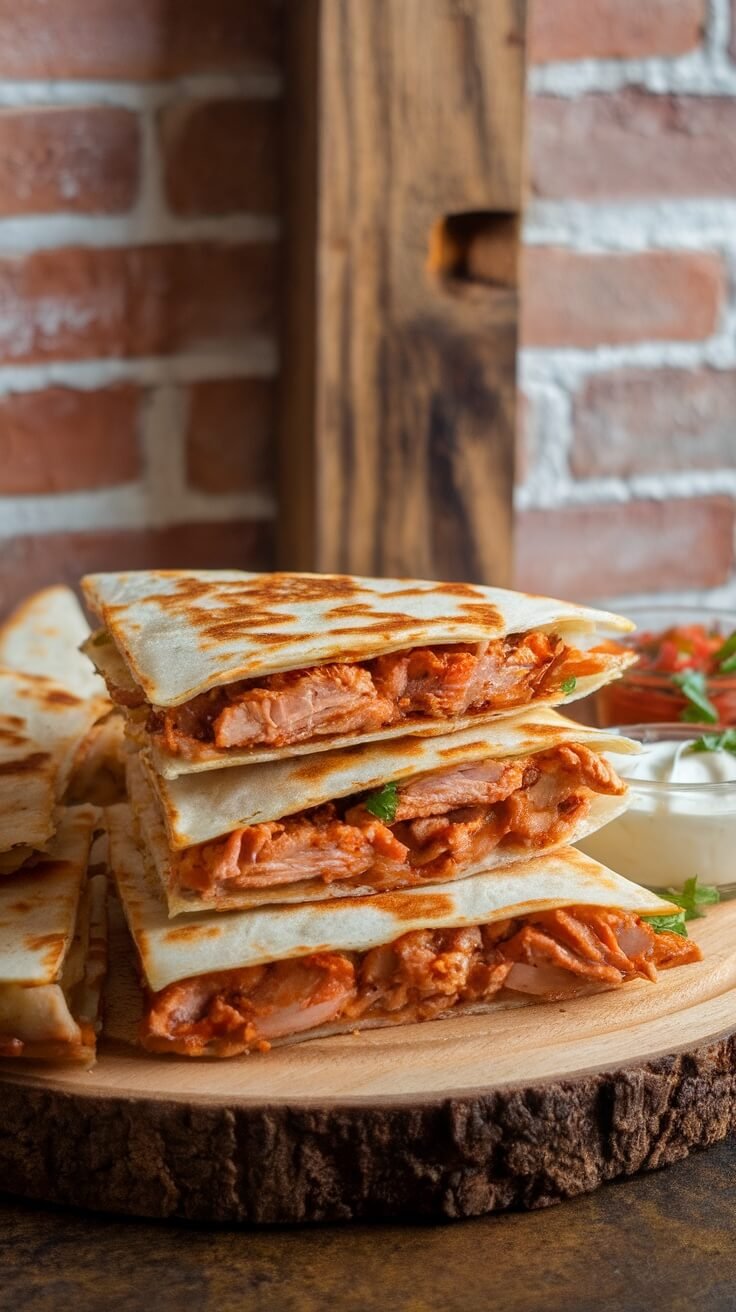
column 476, row 246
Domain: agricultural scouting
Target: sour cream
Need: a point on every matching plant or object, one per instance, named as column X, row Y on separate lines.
column 681, row 819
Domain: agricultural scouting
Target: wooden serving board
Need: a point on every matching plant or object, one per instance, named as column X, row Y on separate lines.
column 522, row 1108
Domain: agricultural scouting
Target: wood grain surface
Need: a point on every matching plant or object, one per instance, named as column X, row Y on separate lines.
column 455, row 1118
column 399, row 361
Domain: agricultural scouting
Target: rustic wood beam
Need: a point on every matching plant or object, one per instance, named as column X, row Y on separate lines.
column 403, row 158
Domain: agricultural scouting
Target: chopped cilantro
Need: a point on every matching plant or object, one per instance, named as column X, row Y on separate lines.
column 674, row 924
column 569, row 685
column 383, row 803
column 692, row 896
column 692, row 686
column 715, row 742
column 726, row 657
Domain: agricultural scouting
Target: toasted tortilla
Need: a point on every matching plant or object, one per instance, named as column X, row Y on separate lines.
column 53, row 949
column 175, row 634
column 213, row 942
column 42, row 725
column 99, row 766
column 43, row 636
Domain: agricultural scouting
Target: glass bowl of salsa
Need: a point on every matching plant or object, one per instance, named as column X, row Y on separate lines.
column 686, row 671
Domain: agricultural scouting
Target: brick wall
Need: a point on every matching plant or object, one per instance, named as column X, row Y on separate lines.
column 139, row 224
column 628, row 369
column 139, row 218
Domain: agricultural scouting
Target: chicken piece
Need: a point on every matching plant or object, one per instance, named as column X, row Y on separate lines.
column 315, row 845
column 235, row 1011
column 449, row 681
column 304, row 704
column 476, row 784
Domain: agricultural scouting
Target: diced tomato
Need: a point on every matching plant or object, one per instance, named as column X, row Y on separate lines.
column 682, row 647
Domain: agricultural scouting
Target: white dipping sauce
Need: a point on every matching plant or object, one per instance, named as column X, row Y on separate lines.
column 681, row 819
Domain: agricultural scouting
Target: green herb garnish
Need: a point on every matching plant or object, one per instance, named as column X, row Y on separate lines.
column 569, row 685
column 674, row 924
column 692, row 686
column 101, row 639
column 715, row 742
column 383, row 803
column 726, row 656
column 692, row 896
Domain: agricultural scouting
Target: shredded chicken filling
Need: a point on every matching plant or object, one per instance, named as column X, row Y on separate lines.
column 552, row 955
column 445, row 823
column 425, row 682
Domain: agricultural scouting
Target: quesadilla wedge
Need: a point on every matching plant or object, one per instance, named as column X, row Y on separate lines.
column 53, row 949
column 43, row 636
column 394, row 814
column 221, row 985
column 226, row 668
column 42, row 725
column 99, row 766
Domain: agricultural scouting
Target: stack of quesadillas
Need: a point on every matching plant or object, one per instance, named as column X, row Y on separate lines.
column 52, row 916
column 354, row 798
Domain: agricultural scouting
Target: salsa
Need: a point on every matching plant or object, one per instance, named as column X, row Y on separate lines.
column 685, row 672
column 686, row 647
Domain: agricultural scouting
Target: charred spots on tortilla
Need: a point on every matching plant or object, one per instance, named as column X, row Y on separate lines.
column 60, row 697
column 27, row 764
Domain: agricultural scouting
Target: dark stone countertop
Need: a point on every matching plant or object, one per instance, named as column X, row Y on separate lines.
column 665, row 1240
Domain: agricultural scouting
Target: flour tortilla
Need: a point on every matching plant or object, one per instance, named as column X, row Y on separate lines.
column 175, row 634
column 42, row 725
column 43, row 636
column 53, row 949
column 99, row 766
column 211, row 942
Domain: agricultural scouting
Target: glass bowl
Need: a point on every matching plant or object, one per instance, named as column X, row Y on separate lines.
column 650, row 696
column 670, row 831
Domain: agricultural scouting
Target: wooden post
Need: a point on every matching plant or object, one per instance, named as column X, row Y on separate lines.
column 403, row 161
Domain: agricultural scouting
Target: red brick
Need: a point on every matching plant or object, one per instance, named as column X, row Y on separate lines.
column 632, row 145
column 651, row 421
column 590, row 300
column 59, row 440
column 613, row 29
column 137, row 39
column 84, row 160
column 231, row 437
column 29, row 563
column 80, row 303
column 221, row 156
column 589, row 552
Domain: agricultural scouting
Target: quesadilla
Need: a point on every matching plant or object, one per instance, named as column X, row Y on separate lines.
column 549, row 929
column 99, row 766
column 224, row 668
column 395, row 814
column 42, row 725
column 43, row 636
column 53, row 949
